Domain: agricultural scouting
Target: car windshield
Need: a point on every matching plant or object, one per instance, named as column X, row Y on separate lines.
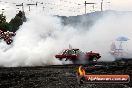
column 71, row 52
column 79, row 52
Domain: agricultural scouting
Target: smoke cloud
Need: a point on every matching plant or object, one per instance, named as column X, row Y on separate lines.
column 42, row 36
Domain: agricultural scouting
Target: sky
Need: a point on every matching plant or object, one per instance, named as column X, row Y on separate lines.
column 63, row 7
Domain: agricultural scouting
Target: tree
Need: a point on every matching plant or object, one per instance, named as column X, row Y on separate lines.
column 5, row 26
column 2, row 18
column 15, row 23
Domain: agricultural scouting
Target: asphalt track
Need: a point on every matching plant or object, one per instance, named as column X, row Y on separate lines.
column 59, row 76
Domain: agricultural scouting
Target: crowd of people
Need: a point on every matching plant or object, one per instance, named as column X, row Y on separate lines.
column 7, row 36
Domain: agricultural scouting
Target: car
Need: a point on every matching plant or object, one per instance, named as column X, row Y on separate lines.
column 77, row 55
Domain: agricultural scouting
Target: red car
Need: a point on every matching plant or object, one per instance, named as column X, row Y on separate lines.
column 76, row 55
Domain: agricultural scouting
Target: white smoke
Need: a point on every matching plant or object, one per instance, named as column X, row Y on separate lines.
column 33, row 45
column 109, row 28
column 41, row 37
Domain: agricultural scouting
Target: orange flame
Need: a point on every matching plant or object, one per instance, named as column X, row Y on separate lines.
column 81, row 71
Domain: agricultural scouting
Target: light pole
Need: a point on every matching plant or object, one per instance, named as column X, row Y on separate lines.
column 102, row 5
column 86, row 4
